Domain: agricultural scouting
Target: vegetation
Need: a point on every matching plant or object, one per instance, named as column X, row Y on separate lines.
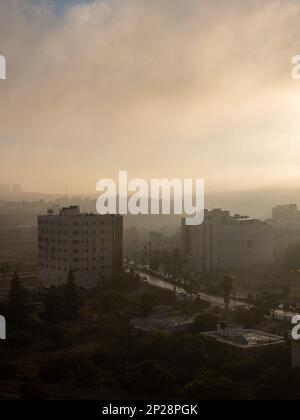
column 84, row 351
column 17, row 309
column 227, row 288
column 62, row 303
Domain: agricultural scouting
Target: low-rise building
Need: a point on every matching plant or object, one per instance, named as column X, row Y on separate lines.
column 244, row 339
column 169, row 323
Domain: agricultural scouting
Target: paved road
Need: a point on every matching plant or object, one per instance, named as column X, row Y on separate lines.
column 214, row 300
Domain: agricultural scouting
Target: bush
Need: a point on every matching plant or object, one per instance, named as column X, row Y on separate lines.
column 56, row 334
column 7, row 371
column 86, row 375
column 212, row 389
column 204, row 323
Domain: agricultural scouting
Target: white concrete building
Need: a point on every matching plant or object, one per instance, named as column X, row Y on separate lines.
column 88, row 244
column 225, row 243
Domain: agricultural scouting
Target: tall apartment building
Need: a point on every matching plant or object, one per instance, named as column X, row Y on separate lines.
column 224, row 242
column 286, row 217
column 88, row 244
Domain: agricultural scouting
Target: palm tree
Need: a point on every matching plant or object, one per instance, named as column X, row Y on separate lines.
column 5, row 268
column 227, row 287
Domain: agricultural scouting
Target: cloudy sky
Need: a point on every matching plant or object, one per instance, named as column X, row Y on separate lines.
column 162, row 88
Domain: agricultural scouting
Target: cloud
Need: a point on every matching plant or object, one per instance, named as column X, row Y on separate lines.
column 160, row 88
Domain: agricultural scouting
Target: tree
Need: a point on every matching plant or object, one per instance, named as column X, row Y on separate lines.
column 227, row 287
column 57, row 370
column 176, row 260
column 55, row 334
column 86, row 375
column 126, row 281
column 7, row 371
column 70, row 299
column 249, row 317
column 150, row 379
column 155, row 261
column 53, row 306
column 212, row 388
column 5, row 268
column 204, row 323
column 33, row 392
column 17, row 309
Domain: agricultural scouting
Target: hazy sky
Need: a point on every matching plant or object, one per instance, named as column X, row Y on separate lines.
column 174, row 88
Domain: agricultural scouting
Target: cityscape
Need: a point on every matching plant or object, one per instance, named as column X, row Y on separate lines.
column 153, row 296
column 77, row 286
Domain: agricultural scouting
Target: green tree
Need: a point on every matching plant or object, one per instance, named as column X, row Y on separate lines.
column 53, row 306
column 17, row 306
column 70, row 299
column 86, row 375
column 150, row 379
column 5, row 268
column 211, row 388
column 204, row 323
column 155, row 261
column 227, row 288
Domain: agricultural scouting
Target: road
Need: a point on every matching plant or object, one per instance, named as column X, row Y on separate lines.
column 213, row 300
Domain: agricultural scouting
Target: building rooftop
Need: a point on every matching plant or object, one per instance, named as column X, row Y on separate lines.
column 74, row 211
column 168, row 322
column 247, row 339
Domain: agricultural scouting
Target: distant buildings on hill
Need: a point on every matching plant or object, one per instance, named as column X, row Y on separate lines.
column 6, row 189
column 13, row 231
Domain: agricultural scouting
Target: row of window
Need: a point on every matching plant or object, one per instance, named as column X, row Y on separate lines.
column 75, row 223
column 75, row 269
column 52, row 257
column 52, row 250
column 74, row 232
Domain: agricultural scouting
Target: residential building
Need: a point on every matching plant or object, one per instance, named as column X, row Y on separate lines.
column 88, row 244
column 286, row 217
column 224, row 242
